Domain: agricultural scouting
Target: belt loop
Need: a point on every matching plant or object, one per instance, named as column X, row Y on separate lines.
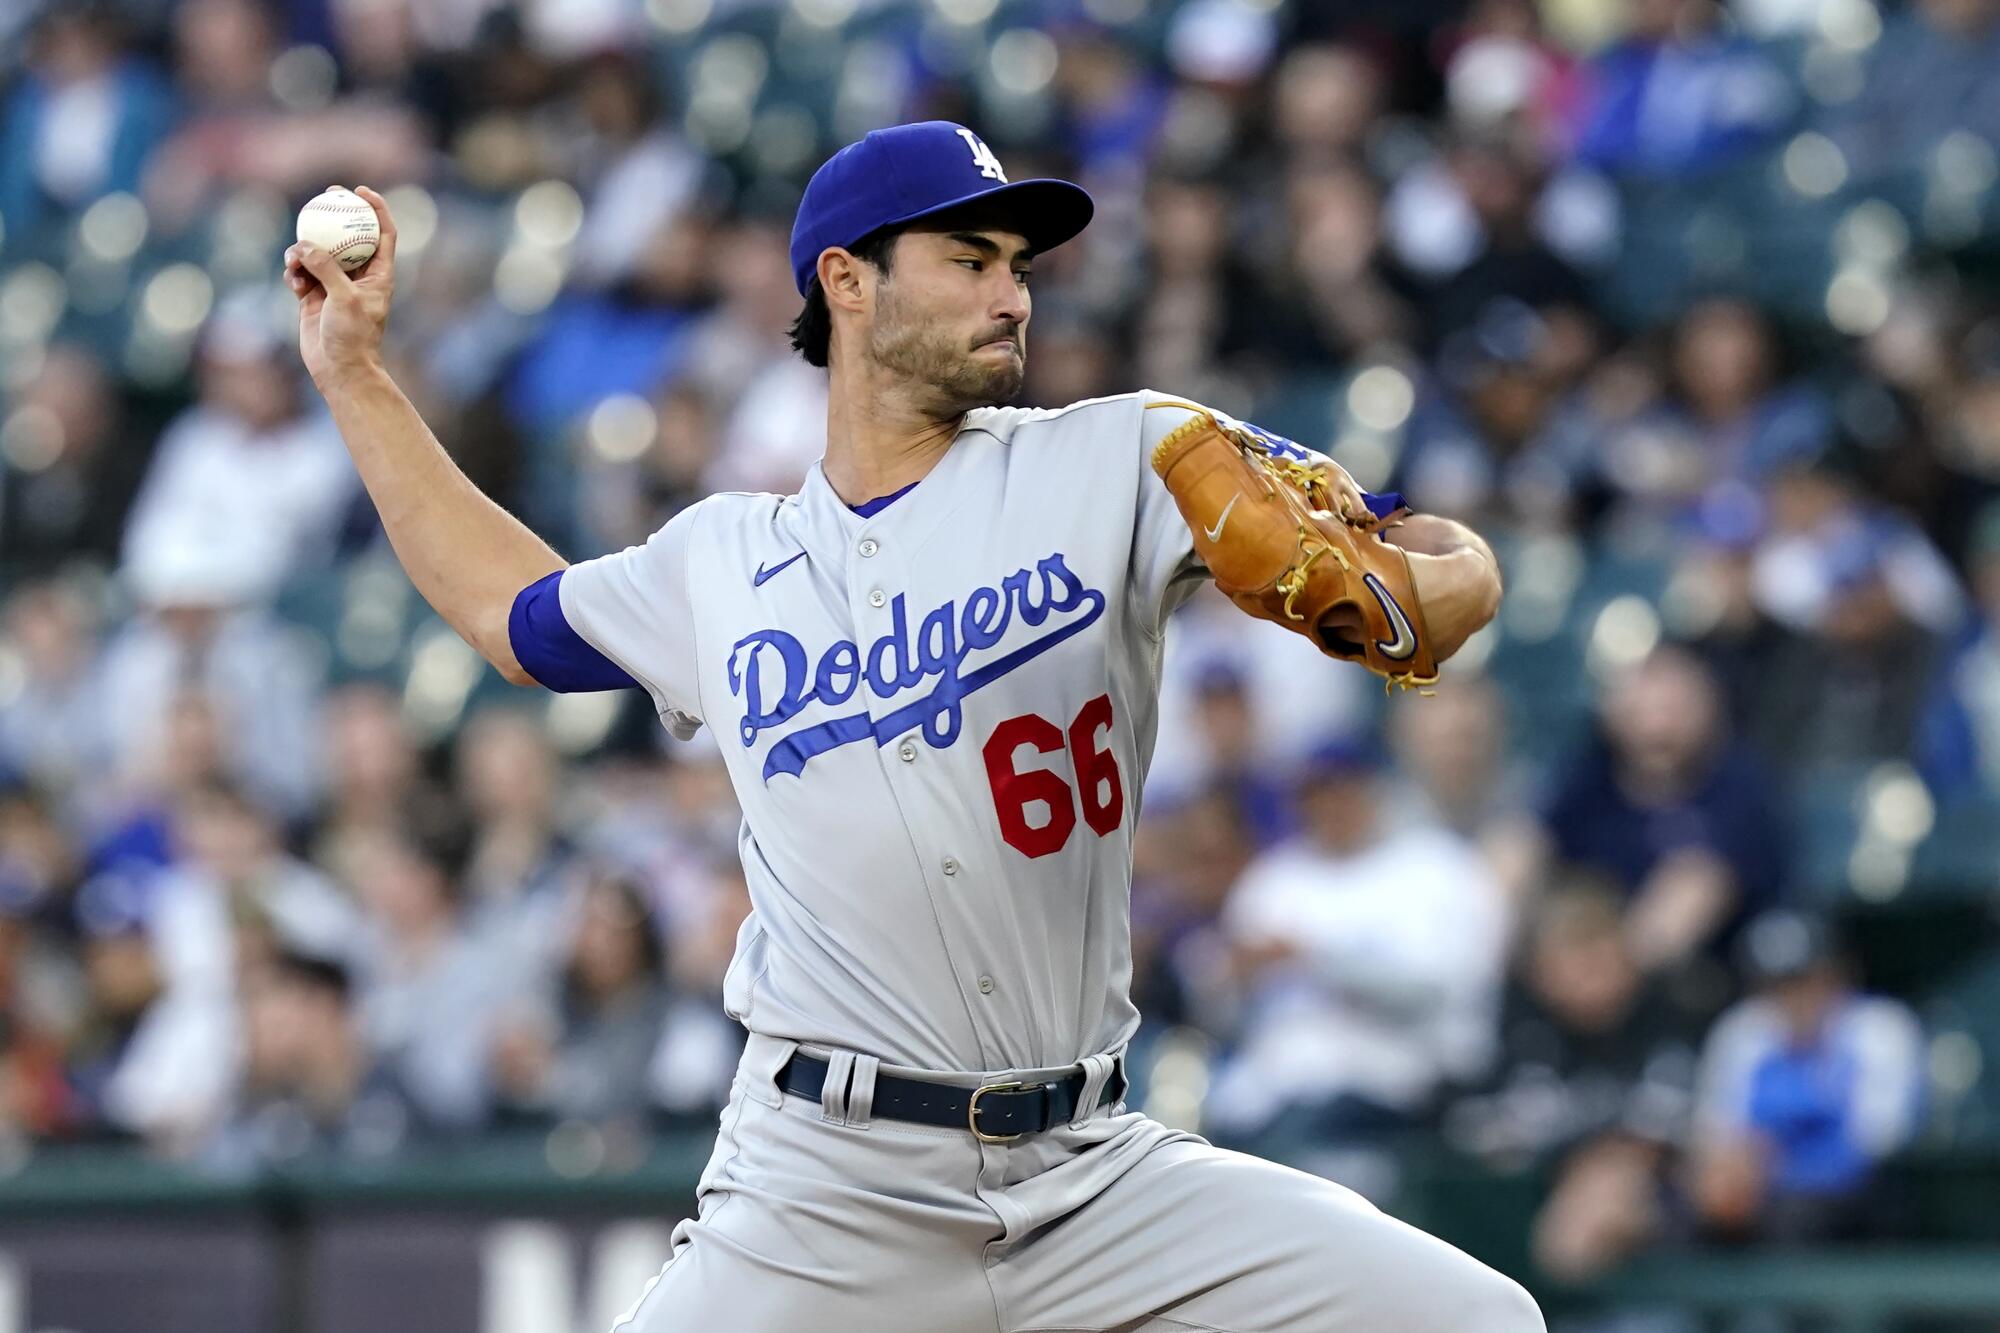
column 1096, row 1072
column 833, row 1093
column 758, row 1070
column 861, row 1092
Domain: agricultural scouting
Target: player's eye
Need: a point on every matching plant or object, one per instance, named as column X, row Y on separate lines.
column 973, row 264
column 1021, row 276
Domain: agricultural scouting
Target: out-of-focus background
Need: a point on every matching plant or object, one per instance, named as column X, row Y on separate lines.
column 1655, row 960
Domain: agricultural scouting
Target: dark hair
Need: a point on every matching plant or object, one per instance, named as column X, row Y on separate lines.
column 652, row 947
column 328, row 977
column 812, row 331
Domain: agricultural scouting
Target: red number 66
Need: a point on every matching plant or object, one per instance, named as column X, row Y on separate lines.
column 1096, row 775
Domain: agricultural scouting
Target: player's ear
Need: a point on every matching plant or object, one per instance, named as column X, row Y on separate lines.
column 842, row 280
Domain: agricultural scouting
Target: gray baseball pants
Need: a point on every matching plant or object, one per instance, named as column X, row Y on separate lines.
column 818, row 1218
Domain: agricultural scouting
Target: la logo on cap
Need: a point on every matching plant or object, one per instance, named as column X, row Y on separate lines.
column 982, row 156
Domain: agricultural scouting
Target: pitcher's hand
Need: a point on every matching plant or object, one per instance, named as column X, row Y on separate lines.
column 342, row 315
column 1348, row 498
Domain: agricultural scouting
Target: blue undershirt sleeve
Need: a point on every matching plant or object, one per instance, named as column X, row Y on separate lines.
column 1383, row 505
column 551, row 651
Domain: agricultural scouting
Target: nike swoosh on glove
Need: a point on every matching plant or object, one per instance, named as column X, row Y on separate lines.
column 1264, row 526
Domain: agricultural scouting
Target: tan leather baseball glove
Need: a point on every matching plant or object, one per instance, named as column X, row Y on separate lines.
column 1267, row 527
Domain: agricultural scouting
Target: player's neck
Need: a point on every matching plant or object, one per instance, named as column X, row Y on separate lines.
column 877, row 441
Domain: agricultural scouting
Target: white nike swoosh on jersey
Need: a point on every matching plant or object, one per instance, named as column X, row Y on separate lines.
column 1215, row 533
column 1405, row 642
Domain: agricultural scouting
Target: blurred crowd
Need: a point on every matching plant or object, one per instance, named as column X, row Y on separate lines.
column 1688, row 305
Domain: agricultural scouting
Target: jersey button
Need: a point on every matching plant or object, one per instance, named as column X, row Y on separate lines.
column 876, row 598
column 907, row 752
column 868, row 546
column 950, row 866
column 986, row 985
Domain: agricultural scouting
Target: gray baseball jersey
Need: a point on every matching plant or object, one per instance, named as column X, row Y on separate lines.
column 937, row 719
column 937, row 715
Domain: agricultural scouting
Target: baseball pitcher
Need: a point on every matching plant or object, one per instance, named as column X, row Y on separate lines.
column 932, row 673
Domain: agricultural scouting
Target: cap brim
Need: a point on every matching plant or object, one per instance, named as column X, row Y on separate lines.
column 1046, row 211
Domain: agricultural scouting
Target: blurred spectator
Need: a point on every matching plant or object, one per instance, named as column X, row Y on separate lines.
column 52, row 728
column 307, row 1087
column 1866, row 604
column 1455, row 772
column 775, row 432
column 123, row 987
column 197, row 645
column 627, row 502
column 1503, row 71
column 232, row 902
column 1112, row 103
column 1336, row 296
column 379, row 47
column 1471, row 226
column 747, row 333
column 636, row 174
column 39, row 867
column 587, row 1055
column 1325, row 100
column 592, row 345
column 1226, row 717
column 1680, row 95
column 1188, row 858
column 1075, row 358
column 243, row 127
column 1711, row 599
column 695, row 1062
column 1805, row 1087
column 1221, row 45
column 1729, row 417
column 1595, row 1078
column 1928, row 78
column 1959, row 738
column 254, row 469
column 35, row 1000
column 73, row 464
column 1188, row 320
column 1925, row 408
column 1209, row 635
column 1673, row 810
column 1493, row 431
column 426, row 992
column 1359, row 1011
column 82, row 122
column 375, row 781
column 519, row 863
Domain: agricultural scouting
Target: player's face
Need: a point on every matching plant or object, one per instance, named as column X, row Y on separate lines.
column 951, row 315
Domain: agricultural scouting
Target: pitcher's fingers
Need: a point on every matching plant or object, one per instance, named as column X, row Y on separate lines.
column 385, row 249
column 296, row 277
column 1353, row 504
column 324, row 267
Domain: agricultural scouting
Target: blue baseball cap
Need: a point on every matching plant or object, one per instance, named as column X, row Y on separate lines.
column 908, row 172
column 1341, row 756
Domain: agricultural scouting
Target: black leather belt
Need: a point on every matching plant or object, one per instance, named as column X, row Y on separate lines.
column 995, row 1113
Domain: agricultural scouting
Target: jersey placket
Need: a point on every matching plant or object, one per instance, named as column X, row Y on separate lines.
column 881, row 570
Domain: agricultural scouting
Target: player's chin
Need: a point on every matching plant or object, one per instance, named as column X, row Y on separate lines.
column 1005, row 365
column 987, row 380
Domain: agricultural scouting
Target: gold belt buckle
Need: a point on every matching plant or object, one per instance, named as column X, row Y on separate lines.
column 972, row 1112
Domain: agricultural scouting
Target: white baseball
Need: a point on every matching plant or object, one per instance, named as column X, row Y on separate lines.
column 340, row 222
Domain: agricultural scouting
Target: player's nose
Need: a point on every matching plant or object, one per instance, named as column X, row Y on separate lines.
column 1009, row 302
